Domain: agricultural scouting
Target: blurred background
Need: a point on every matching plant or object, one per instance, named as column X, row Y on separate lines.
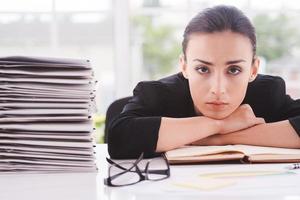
column 132, row 40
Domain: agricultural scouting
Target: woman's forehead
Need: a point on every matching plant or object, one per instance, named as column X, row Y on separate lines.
column 227, row 45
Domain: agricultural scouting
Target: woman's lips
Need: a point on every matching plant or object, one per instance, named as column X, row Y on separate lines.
column 217, row 105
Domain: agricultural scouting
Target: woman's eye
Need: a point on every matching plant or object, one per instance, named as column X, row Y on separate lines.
column 234, row 70
column 202, row 70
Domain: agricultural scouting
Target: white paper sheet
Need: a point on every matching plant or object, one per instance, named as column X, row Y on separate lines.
column 47, row 80
column 57, row 136
column 47, row 149
column 39, row 142
column 44, row 112
column 51, row 126
column 42, row 71
column 44, row 105
column 43, row 60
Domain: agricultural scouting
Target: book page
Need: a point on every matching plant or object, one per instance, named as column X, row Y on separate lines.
column 252, row 150
column 186, row 151
column 228, row 156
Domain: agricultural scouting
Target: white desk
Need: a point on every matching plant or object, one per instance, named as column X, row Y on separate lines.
column 89, row 186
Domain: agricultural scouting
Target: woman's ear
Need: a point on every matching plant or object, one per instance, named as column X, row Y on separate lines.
column 254, row 69
column 183, row 66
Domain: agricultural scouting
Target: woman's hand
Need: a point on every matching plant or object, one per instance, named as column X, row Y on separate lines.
column 275, row 134
column 242, row 118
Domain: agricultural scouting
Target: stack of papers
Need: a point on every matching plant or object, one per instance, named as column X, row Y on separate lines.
column 45, row 115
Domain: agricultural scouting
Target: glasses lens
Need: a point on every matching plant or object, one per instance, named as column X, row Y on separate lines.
column 157, row 169
column 122, row 177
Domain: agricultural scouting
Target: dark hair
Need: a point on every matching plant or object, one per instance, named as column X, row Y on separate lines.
column 218, row 19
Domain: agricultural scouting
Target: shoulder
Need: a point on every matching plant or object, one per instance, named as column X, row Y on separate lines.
column 170, row 96
column 267, row 81
column 266, row 84
column 266, row 95
column 172, row 85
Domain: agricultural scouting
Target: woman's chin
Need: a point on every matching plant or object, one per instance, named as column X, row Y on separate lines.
column 217, row 115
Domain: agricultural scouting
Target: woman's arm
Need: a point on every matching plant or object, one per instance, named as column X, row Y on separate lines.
column 175, row 132
column 276, row 134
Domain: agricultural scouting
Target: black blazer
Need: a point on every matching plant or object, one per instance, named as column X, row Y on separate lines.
column 135, row 130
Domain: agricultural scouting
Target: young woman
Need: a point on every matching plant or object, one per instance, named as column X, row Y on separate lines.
column 217, row 99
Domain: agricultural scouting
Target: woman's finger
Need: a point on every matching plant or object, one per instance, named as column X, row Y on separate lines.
column 260, row 120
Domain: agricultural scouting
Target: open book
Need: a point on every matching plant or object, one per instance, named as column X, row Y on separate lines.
column 242, row 153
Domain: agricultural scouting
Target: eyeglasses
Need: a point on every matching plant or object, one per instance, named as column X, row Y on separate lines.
column 129, row 173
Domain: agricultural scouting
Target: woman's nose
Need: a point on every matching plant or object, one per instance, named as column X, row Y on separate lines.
column 218, row 85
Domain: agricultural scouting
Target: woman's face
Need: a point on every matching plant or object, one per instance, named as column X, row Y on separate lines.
column 218, row 67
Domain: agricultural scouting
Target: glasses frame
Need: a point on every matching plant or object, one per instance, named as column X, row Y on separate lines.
column 136, row 169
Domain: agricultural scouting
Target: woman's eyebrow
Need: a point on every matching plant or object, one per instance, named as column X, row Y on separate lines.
column 227, row 63
column 234, row 61
column 203, row 61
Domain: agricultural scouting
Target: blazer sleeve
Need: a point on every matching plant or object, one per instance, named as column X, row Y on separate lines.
column 285, row 108
column 136, row 129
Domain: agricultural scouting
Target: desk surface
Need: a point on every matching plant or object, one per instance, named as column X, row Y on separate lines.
column 276, row 183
